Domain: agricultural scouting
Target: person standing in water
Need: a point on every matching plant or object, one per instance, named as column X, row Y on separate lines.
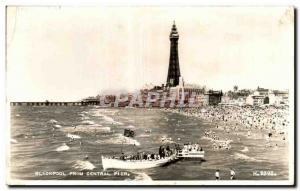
column 217, row 174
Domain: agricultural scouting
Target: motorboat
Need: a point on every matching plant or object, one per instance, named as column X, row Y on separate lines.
column 191, row 151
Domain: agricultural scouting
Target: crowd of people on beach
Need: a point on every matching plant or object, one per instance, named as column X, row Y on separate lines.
column 268, row 119
column 218, row 143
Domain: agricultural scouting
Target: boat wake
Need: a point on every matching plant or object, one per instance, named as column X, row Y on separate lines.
column 119, row 139
column 83, row 165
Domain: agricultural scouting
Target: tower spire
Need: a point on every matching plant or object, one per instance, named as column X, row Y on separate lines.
column 174, row 70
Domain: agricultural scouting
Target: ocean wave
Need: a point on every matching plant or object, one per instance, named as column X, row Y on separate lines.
column 240, row 156
column 111, row 120
column 166, row 139
column 64, row 147
column 84, row 118
column 207, row 138
column 87, row 122
column 53, row 121
column 87, row 129
column 57, row 126
column 99, row 113
column 245, row 150
column 83, row 165
column 96, row 113
column 13, row 141
column 72, row 136
column 223, row 141
column 21, row 135
column 119, row 139
column 144, row 135
column 142, row 176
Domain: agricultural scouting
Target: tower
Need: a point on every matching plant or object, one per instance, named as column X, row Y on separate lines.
column 174, row 70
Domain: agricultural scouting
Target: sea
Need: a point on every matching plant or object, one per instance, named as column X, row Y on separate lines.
column 67, row 142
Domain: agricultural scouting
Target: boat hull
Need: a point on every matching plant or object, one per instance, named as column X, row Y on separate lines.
column 109, row 163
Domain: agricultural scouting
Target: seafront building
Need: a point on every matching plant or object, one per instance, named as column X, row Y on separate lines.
column 257, row 97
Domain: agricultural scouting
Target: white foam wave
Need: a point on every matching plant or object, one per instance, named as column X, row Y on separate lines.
column 111, row 120
column 144, row 135
column 99, row 113
column 87, row 122
column 83, row 165
column 207, row 138
column 52, row 121
column 240, row 156
column 64, row 147
column 245, row 150
column 96, row 113
column 166, row 139
column 85, row 118
column 13, row 141
column 120, row 139
column 87, row 129
column 57, row 126
column 223, row 141
column 142, row 176
column 72, row 136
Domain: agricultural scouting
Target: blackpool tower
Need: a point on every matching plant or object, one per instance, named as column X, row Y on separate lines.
column 174, row 70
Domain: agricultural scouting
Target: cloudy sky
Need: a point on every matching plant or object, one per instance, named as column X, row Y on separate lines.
column 68, row 53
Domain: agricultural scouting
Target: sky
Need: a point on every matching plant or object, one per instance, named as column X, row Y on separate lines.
column 69, row 53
